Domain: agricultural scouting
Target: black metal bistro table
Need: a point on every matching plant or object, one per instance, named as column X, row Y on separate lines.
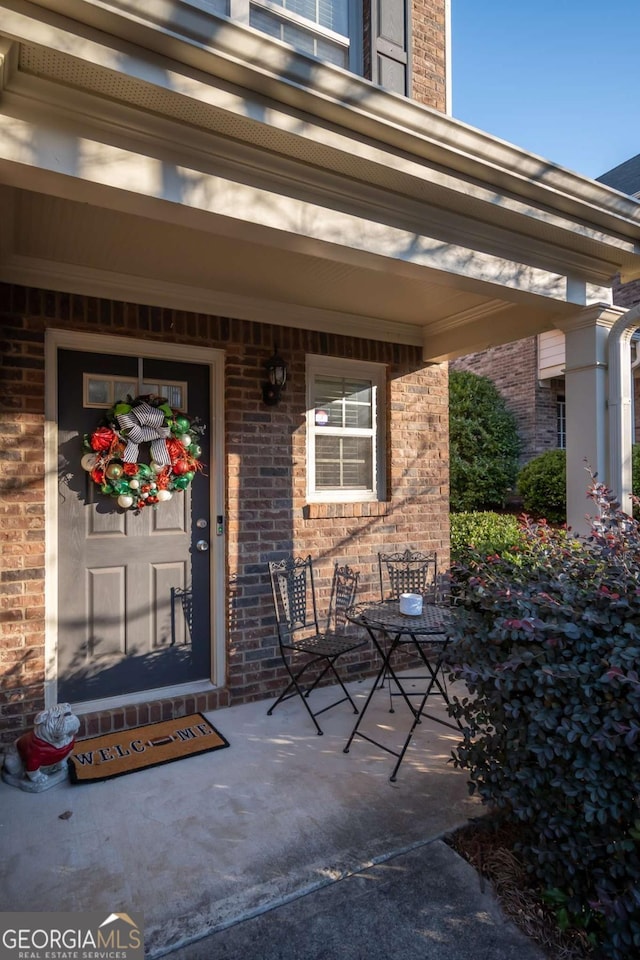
column 389, row 630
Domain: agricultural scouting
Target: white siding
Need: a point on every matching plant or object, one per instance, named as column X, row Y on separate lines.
column 551, row 354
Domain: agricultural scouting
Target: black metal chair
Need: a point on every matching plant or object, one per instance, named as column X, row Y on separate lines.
column 408, row 572
column 185, row 597
column 303, row 645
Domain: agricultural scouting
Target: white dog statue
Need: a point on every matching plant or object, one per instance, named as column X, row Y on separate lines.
column 37, row 760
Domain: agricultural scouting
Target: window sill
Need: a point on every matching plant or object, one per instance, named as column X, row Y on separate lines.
column 331, row 511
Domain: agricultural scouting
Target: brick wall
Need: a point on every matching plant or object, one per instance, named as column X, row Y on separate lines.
column 265, row 469
column 428, row 53
column 626, row 294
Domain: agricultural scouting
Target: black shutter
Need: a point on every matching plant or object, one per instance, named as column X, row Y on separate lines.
column 390, row 31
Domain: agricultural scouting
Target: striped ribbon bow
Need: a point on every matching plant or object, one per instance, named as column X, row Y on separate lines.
column 144, row 424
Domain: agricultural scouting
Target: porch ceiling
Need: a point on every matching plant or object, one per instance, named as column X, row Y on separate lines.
column 73, row 246
column 279, row 193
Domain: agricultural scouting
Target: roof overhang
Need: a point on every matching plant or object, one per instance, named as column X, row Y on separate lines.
column 182, row 160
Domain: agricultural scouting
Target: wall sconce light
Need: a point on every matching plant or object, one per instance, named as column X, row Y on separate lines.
column 277, row 377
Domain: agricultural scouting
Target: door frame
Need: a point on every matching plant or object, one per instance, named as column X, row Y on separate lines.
column 125, row 346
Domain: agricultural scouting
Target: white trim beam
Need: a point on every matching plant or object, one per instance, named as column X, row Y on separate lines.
column 276, row 71
column 64, row 162
column 505, row 177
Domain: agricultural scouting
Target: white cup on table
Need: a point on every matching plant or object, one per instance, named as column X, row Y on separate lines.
column 411, row 604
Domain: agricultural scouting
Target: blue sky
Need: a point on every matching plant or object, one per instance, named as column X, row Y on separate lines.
column 560, row 78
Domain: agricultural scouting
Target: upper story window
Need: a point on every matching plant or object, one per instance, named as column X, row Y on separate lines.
column 330, row 30
column 345, row 414
column 335, row 31
column 561, row 422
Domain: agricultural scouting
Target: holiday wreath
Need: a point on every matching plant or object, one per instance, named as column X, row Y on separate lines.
column 112, row 452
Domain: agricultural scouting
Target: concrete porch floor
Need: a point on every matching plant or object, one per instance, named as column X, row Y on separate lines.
column 211, row 845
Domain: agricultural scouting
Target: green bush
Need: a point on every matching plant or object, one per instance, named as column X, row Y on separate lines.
column 483, row 443
column 542, row 484
column 484, row 532
column 551, row 727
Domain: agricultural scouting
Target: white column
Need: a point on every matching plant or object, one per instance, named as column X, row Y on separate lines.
column 621, row 406
column 586, row 395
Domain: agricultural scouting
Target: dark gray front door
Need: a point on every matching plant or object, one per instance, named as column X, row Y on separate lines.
column 118, row 631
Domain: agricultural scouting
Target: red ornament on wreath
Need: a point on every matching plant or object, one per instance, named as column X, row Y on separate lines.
column 112, row 453
column 102, row 439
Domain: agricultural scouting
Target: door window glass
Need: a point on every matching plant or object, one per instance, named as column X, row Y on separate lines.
column 102, row 391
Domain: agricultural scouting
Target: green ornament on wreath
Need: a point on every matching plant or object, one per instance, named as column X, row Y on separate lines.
column 112, row 452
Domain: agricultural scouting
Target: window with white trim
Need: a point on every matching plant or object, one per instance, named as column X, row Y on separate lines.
column 561, row 423
column 327, row 29
column 345, row 427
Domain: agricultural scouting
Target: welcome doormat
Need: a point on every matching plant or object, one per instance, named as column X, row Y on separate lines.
column 115, row 754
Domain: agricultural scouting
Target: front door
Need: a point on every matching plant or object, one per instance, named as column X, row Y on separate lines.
column 134, row 588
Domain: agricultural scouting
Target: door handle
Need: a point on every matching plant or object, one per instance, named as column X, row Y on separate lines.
column 202, row 546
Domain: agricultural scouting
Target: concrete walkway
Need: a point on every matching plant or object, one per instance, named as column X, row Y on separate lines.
column 281, row 846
